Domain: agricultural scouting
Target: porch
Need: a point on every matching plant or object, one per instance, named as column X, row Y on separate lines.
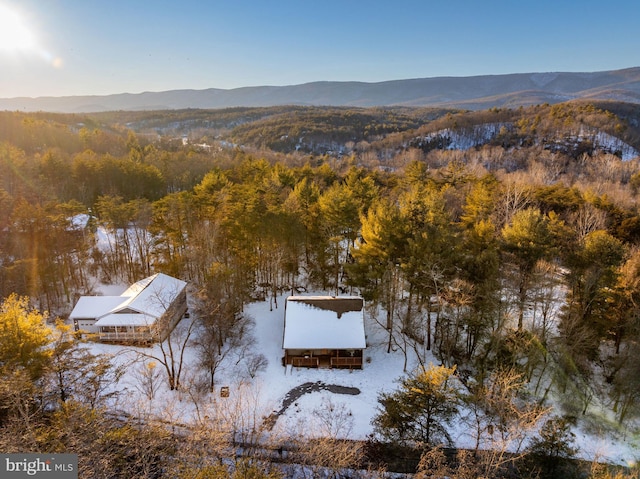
column 126, row 334
column 323, row 358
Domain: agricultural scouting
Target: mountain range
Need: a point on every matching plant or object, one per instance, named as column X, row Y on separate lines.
column 473, row 93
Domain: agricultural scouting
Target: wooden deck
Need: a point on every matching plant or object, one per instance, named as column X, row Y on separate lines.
column 311, row 362
column 350, row 362
column 324, row 361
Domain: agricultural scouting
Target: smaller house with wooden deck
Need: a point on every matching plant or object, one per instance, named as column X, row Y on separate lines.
column 146, row 312
column 324, row 331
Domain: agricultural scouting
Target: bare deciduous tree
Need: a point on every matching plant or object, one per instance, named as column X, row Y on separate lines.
column 502, row 419
column 322, row 447
column 148, row 377
column 171, row 352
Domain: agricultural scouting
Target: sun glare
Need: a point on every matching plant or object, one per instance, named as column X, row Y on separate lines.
column 15, row 36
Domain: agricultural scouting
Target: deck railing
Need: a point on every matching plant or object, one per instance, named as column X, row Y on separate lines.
column 126, row 336
column 317, row 361
column 355, row 361
column 310, row 362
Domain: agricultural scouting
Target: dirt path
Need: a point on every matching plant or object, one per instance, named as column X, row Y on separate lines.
column 306, row 388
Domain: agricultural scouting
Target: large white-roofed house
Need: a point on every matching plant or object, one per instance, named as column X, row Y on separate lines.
column 146, row 312
column 324, row 331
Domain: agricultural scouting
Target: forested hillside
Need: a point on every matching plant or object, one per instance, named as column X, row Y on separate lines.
column 506, row 242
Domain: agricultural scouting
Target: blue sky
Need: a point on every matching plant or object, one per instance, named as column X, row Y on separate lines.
column 80, row 47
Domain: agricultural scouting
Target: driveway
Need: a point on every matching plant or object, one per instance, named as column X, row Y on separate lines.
column 294, row 394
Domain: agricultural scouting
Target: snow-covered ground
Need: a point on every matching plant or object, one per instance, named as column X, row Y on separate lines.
column 270, row 386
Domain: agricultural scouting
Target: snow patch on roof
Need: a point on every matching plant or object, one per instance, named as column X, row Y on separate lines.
column 324, row 322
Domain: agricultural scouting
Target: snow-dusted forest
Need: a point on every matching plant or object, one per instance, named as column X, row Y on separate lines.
column 501, row 284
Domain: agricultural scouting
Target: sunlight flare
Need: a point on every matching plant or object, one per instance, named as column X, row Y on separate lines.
column 15, row 35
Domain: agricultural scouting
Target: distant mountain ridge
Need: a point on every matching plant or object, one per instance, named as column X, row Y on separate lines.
column 474, row 93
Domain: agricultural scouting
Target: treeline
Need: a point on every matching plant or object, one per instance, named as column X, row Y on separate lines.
column 329, row 128
column 264, row 127
column 317, row 130
column 570, row 129
column 37, row 132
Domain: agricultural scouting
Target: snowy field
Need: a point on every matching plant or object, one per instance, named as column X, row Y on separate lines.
column 353, row 413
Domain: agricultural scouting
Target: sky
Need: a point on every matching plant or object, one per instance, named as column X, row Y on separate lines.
column 98, row 47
